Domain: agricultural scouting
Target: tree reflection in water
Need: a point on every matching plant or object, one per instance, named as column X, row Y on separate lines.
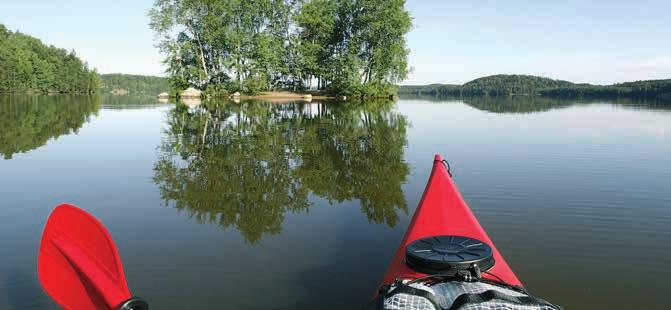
column 29, row 122
column 245, row 165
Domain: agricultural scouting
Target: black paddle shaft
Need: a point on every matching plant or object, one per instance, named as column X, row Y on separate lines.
column 135, row 303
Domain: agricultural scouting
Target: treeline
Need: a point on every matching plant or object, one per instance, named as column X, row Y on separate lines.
column 134, row 84
column 347, row 47
column 492, row 86
column 435, row 90
column 652, row 89
column 508, row 85
column 516, row 85
column 28, row 65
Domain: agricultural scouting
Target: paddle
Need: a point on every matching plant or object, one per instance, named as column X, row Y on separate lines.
column 79, row 266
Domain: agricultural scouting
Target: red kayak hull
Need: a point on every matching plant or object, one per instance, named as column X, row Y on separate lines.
column 442, row 211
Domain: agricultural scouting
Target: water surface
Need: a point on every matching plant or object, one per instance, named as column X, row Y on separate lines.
column 304, row 203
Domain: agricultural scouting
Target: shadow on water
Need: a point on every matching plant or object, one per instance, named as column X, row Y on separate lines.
column 23, row 291
column 29, row 122
column 356, row 287
column 244, row 165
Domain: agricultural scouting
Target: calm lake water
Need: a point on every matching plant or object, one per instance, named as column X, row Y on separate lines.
column 296, row 205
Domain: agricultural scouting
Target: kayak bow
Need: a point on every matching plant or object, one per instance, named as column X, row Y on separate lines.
column 442, row 211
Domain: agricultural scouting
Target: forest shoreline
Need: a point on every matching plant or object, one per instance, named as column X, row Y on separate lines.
column 516, row 85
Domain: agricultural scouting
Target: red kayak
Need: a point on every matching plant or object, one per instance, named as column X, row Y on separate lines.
column 447, row 262
column 443, row 212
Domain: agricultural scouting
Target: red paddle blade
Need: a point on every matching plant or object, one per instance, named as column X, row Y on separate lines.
column 78, row 264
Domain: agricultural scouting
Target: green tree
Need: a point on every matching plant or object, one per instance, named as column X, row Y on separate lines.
column 134, row 84
column 27, row 65
column 348, row 46
column 379, row 28
column 217, row 41
column 317, row 21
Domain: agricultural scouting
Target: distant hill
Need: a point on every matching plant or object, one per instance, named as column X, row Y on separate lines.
column 28, row 65
column 134, row 84
column 507, row 85
column 515, row 85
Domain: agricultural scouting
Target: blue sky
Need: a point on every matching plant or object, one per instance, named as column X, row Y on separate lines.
column 451, row 42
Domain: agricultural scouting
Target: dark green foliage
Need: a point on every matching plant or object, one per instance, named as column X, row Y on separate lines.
column 493, row 86
column 27, row 65
column 360, row 44
column 347, row 47
column 135, row 84
column 508, row 85
column 253, row 85
column 660, row 89
column 436, row 90
column 653, row 89
column 525, row 85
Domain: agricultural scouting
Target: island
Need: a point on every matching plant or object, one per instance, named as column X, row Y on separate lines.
column 321, row 47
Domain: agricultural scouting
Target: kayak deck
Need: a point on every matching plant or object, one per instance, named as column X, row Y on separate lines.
column 442, row 211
